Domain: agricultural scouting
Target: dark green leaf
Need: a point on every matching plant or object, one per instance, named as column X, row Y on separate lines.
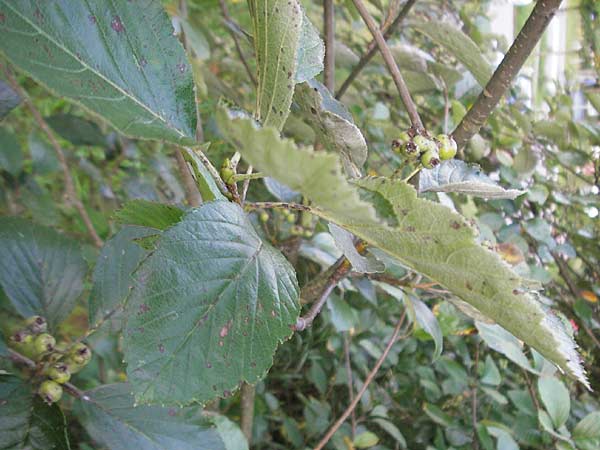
column 76, row 130
column 112, row 279
column 555, row 397
column 110, row 417
column 9, row 99
column 209, row 308
column 41, row 271
column 26, row 422
column 587, row 432
column 11, row 157
column 149, row 214
column 119, row 59
column 44, row 158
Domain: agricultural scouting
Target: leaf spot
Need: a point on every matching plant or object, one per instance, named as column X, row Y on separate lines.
column 117, row 25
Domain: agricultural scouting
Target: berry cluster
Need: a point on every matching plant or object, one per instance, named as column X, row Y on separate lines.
column 290, row 218
column 430, row 151
column 56, row 363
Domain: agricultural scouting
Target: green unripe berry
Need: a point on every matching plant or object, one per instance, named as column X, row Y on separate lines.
column 448, row 147
column 227, row 174
column 400, row 142
column 410, row 150
column 80, row 354
column 264, row 217
column 430, row 159
column 44, row 343
column 308, row 234
column 72, row 366
column 424, row 144
column 50, row 391
column 59, row 373
column 37, row 324
column 297, row 230
column 291, row 218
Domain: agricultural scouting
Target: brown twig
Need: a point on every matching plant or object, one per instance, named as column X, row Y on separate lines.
column 340, row 269
column 329, row 32
column 372, row 48
column 248, row 393
column 407, row 100
column 349, row 382
column 238, row 48
column 510, row 66
column 70, row 192
column 278, row 205
column 246, row 184
column 364, row 387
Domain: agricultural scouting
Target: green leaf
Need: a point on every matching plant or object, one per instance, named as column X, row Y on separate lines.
column 210, row 306
column 555, row 397
column 197, row 40
column 26, row 422
column 460, row 46
column 41, row 271
column 11, row 156
column 491, row 374
column 76, row 130
column 288, row 50
column 230, row 433
column 44, row 158
column 457, row 176
column 109, row 416
column 502, row 341
column 9, row 99
column 310, row 53
column 205, row 181
column 428, row 322
column 429, row 238
column 149, row 214
column 345, row 242
column 366, row 440
column 316, row 175
column 112, row 279
column 117, row 59
column 586, row 433
column 333, row 124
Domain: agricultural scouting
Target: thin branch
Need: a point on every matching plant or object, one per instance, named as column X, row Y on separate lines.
column 213, row 171
column 407, row 100
column 364, row 387
column 70, row 191
column 192, row 194
column 238, row 48
column 246, row 184
column 329, row 32
column 525, row 42
column 248, row 393
column 372, row 48
column 340, row 269
column 350, row 381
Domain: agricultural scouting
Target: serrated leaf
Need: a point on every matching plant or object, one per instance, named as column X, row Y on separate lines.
column 109, row 416
column 429, row 238
column 205, row 181
column 556, row 400
column 457, row 176
column 310, row 53
column 112, row 279
column 210, row 306
column 11, row 156
column 333, row 124
column 149, row 214
column 316, row 175
column 118, row 59
column 41, row 271
column 277, row 29
column 344, row 241
column 459, row 45
column 26, row 422
column 9, row 99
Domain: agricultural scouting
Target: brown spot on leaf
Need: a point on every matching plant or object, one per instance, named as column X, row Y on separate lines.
column 116, row 24
column 92, row 19
column 455, row 225
column 172, row 412
column 161, row 348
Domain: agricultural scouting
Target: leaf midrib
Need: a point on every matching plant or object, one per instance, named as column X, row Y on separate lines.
column 98, row 74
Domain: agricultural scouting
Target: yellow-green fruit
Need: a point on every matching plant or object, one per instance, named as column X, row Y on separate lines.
column 410, row 150
column 430, row 159
column 308, row 234
column 447, row 146
column 59, row 373
column 23, row 342
column 44, row 343
column 264, row 216
column 80, row 354
column 50, row 391
column 297, row 230
column 424, row 144
column 227, row 174
column 400, row 142
column 72, row 366
column 37, row 324
column 291, row 218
